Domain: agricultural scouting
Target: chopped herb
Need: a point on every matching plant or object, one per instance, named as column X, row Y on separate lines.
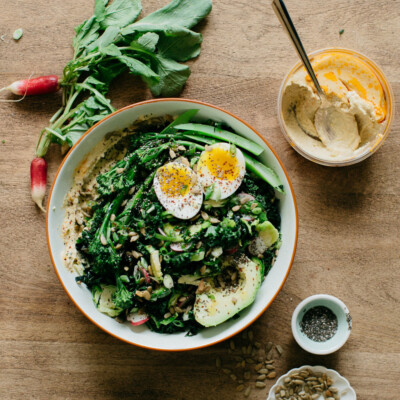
column 3, row 141
column 341, row 32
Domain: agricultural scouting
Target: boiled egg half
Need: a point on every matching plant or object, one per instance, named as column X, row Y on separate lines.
column 223, row 166
column 178, row 189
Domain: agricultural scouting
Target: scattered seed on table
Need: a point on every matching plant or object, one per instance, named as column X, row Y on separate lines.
column 260, row 384
column 261, row 377
column 240, row 388
column 279, row 349
column 249, row 361
column 258, row 367
column 247, row 375
column 268, row 347
column 257, row 345
column 263, row 371
column 251, row 336
column 226, row 371
column 232, row 345
column 247, row 391
column 249, row 349
column 271, row 375
column 244, row 349
column 233, row 377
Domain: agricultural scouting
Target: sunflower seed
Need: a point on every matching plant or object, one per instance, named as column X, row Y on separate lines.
column 258, row 367
column 214, row 220
column 182, row 148
column 247, row 391
column 235, row 208
column 240, row 388
column 263, row 371
column 103, row 240
column 134, row 238
column 271, row 375
column 112, row 218
column 204, row 215
column 118, row 246
column 268, row 347
column 279, row 349
column 232, row 345
column 261, row 377
column 136, row 254
column 131, row 190
column 260, row 384
column 120, row 170
column 249, row 349
column 172, row 154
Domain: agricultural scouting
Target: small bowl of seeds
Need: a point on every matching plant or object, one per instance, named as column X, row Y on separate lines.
column 321, row 324
column 312, row 383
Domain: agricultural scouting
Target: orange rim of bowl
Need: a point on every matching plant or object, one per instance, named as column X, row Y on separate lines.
column 158, row 101
column 389, row 99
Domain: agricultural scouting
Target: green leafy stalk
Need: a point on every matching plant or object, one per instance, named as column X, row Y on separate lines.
column 113, row 41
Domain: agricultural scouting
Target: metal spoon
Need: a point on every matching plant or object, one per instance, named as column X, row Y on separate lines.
column 328, row 112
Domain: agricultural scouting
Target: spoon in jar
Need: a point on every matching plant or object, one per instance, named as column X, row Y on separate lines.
column 329, row 118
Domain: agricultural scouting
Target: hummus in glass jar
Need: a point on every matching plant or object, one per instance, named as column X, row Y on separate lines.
column 352, row 87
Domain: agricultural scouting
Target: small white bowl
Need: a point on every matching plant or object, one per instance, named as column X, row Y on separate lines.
column 343, row 329
column 346, row 392
column 81, row 296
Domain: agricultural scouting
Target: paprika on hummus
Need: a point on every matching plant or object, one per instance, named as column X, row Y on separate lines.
column 353, row 87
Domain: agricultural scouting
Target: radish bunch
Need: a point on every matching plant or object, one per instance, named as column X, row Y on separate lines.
column 107, row 44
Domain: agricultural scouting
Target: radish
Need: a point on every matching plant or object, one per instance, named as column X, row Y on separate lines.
column 145, row 274
column 38, row 181
column 179, row 247
column 137, row 319
column 31, row 87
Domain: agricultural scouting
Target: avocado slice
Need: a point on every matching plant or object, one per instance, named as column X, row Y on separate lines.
column 218, row 305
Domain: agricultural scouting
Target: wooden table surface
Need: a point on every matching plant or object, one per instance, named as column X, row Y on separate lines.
column 349, row 218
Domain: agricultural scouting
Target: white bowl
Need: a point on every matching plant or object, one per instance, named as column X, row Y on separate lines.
column 346, row 392
column 141, row 335
column 343, row 329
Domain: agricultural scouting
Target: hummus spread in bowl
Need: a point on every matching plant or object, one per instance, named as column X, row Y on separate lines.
column 356, row 87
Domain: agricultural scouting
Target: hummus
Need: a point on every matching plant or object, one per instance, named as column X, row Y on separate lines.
column 353, row 122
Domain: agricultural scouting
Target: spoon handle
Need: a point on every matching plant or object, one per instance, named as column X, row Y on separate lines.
column 286, row 22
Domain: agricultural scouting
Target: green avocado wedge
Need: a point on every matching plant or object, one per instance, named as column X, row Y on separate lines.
column 218, row 305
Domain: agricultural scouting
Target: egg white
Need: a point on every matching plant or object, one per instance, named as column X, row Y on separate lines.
column 178, row 189
column 220, row 166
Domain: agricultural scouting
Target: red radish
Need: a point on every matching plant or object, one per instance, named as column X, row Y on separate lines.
column 31, row 87
column 137, row 319
column 232, row 250
column 145, row 274
column 38, row 181
column 179, row 247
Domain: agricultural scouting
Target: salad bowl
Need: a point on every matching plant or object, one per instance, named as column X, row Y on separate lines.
column 141, row 335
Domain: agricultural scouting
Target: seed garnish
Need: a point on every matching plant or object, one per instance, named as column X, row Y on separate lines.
column 319, row 324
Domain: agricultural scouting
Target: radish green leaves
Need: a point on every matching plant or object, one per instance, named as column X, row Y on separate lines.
column 113, row 41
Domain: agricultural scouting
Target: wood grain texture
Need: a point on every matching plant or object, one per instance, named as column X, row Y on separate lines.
column 349, row 217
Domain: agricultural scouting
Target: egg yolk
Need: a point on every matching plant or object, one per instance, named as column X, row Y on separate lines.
column 220, row 163
column 175, row 180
